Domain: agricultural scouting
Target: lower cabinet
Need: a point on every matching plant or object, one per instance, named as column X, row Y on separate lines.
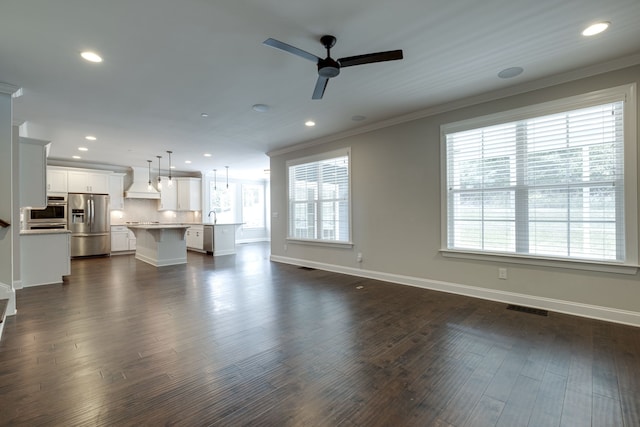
column 45, row 256
column 195, row 238
column 122, row 239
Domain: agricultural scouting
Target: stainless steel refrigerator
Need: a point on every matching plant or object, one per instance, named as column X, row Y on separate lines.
column 88, row 220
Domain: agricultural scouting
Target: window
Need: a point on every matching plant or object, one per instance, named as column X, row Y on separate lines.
column 222, row 201
column 252, row 206
column 555, row 180
column 319, row 198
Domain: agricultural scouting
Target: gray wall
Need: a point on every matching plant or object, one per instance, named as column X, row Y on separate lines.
column 396, row 217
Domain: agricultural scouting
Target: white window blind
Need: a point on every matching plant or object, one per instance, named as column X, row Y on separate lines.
column 550, row 186
column 319, row 198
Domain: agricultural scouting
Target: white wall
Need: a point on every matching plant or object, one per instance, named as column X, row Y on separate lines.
column 396, row 219
column 8, row 197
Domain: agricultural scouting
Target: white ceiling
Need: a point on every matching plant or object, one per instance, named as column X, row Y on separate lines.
column 168, row 61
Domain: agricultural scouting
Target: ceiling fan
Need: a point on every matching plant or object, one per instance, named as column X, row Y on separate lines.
column 329, row 67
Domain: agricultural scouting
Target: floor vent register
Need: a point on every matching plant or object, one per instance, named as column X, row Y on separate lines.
column 529, row 310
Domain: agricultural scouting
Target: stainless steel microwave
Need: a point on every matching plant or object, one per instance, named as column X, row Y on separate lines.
column 55, row 212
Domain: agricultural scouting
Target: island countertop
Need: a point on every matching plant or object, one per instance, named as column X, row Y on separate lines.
column 157, row 226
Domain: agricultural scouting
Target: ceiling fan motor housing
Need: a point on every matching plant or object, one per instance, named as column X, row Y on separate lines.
column 328, row 68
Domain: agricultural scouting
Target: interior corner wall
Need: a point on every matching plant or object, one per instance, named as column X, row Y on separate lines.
column 397, row 218
column 7, row 199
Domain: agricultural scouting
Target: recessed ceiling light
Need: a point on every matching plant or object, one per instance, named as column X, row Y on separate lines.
column 76, row 157
column 260, row 108
column 207, row 154
column 90, row 138
column 508, row 73
column 172, row 167
column 204, row 115
column 309, row 123
column 596, row 28
column 188, row 162
column 358, row 118
column 83, row 149
column 91, row 56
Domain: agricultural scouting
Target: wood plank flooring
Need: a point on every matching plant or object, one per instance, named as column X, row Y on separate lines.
column 238, row 340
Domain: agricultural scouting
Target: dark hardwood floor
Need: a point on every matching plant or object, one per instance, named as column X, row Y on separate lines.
column 238, row 340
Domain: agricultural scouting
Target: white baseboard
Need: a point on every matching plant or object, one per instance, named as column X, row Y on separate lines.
column 163, row 263
column 254, row 240
column 561, row 306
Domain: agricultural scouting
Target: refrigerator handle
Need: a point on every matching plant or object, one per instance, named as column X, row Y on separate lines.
column 90, row 206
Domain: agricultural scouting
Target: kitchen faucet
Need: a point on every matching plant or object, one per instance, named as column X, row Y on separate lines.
column 215, row 218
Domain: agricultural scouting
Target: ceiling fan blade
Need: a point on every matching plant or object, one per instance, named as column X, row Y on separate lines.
column 291, row 49
column 321, row 85
column 368, row 58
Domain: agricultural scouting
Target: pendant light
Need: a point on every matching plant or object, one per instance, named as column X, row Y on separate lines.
column 215, row 181
column 159, row 181
column 149, row 187
column 227, row 176
column 170, row 183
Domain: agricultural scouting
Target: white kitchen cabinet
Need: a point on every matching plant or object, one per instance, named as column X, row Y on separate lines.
column 33, row 172
column 88, row 182
column 119, row 241
column 122, row 239
column 116, row 191
column 56, row 180
column 132, row 241
column 45, row 256
column 195, row 237
column 189, row 194
column 168, row 195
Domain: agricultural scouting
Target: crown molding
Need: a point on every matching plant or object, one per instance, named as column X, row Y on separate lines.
column 9, row 89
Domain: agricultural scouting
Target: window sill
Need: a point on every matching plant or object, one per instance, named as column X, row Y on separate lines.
column 327, row 243
column 544, row 262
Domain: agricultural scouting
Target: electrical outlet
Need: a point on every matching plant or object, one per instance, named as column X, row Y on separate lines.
column 359, row 257
column 502, row 273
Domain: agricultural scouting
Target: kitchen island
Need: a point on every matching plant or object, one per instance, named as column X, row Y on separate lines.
column 160, row 244
column 220, row 239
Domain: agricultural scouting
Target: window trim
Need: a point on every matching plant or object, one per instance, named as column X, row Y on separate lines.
column 315, row 158
column 626, row 93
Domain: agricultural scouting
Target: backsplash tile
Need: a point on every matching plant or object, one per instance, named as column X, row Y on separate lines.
column 146, row 210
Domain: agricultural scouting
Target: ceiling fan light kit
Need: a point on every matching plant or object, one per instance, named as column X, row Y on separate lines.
column 329, row 67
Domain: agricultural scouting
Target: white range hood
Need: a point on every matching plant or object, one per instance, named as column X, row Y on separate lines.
column 140, row 187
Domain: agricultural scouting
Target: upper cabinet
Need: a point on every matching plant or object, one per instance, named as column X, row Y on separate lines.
column 56, row 180
column 183, row 195
column 88, row 182
column 189, row 194
column 33, row 172
column 116, row 191
column 168, row 195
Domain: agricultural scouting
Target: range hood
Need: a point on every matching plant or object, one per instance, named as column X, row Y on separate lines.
column 140, row 187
